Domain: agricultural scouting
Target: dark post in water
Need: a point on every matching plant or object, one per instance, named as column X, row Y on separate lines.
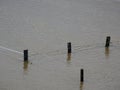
column 82, row 75
column 69, row 47
column 25, row 55
column 107, row 41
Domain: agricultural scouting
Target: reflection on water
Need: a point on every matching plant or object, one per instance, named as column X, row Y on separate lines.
column 25, row 66
column 107, row 52
column 81, row 85
column 69, row 58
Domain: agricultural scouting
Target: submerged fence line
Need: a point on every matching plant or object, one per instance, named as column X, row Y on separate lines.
column 8, row 49
column 10, row 55
column 76, row 49
column 62, row 51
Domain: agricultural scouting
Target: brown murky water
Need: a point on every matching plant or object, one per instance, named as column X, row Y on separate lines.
column 44, row 27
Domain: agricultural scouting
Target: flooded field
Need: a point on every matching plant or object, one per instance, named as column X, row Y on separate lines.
column 44, row 27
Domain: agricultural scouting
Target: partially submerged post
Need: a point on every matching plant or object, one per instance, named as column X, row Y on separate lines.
column 107, row 41
column 82, row 75
column 69, row 47
column 25, row 55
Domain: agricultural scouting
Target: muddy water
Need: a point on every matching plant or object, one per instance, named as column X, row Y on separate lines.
column 44, row 27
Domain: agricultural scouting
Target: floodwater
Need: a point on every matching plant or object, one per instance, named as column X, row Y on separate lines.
column 44, row 27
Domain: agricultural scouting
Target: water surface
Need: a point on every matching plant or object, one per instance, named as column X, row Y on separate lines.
column 44, row 27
